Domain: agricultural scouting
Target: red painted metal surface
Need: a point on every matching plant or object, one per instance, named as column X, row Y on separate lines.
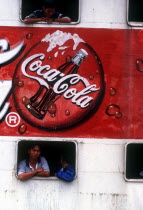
column 114, row 64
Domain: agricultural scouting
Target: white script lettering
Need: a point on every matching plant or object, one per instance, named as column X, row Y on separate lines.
column 59, row 81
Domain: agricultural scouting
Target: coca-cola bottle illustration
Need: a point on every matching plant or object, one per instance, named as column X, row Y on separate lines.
column 74, row 63
column 40, row 103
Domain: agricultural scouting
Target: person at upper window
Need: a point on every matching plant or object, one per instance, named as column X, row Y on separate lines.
column 34, row 165
column 48, row 14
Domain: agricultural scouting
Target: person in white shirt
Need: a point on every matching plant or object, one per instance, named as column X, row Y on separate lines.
column 34, row 165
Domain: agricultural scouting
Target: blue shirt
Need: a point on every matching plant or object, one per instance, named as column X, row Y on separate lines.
column 66, row 174
column 25, row 167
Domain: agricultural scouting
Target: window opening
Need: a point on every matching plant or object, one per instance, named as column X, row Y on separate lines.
column 135, row 14
column 52, row 151
column 68, row 8
column 133, row 163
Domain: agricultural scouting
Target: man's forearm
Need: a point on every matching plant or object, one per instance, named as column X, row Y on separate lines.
column 32, row 20
column 27, row 175
column 43, row 173
column 48, row 20
column 63, row 20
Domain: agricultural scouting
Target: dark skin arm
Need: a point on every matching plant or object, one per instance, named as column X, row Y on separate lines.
column 36, row 172
column 63, row 20
column 43, row 173
column 33, row 20
column 47, row 20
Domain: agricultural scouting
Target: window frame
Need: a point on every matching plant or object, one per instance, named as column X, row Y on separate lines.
column 54, row 23
column 132, row 23
column 125, row 163
column 44, row 141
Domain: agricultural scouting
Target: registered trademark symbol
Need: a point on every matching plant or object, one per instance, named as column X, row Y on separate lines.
column 12, row 119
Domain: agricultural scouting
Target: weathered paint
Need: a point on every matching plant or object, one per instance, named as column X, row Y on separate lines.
column 99, row 184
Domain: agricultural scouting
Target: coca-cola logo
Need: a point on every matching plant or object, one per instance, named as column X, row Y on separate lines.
column 58, row 82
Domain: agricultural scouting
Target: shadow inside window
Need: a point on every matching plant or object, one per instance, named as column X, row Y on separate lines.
column 134, row 165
